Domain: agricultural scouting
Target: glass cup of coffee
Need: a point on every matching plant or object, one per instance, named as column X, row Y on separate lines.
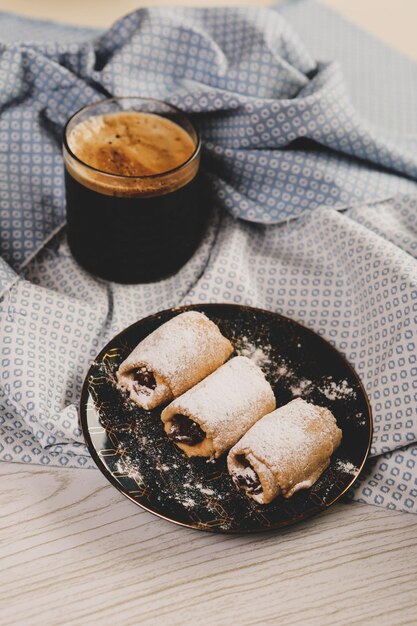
column 135, row 207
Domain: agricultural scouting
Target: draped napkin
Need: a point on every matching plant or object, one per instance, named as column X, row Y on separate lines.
column 315, row 207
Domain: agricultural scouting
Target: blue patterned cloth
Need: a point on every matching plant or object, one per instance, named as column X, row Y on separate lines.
column 294, row 126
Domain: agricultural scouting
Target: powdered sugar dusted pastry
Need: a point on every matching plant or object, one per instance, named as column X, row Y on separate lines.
column 209, row 418
column 173, row 358
column 285, row 451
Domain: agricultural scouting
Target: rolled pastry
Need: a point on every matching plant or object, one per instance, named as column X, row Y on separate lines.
column 173, row 358
column 285, row 451
column 209, row 418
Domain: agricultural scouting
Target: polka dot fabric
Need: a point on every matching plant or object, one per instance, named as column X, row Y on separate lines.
column 282, row 141
column 281, row 136
column 336, row 273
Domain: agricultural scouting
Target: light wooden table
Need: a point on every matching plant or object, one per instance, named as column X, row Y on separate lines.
column 74, row 551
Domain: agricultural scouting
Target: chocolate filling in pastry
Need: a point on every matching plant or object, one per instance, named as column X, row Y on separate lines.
column 245, row 477
column 144, row 378
column 185, row 430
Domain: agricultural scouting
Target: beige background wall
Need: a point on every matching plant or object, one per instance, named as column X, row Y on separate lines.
column 394, row 21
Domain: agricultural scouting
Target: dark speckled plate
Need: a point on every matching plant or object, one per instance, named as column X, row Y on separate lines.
column 131, row 449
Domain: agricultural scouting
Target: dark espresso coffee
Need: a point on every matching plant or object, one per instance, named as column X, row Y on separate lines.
column 134, row 199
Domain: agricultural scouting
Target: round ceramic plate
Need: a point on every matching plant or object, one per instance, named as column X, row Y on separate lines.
column 130, row 447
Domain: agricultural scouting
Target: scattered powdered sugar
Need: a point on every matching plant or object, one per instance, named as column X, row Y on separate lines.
column 345, row 466
column 304, row 387
column 201, row 488
column 325, row 489
column 283, row 370
column 301, row 388
column 126, row 467
column 337, row 391
column 297, row 385
column 361, row 419
column 195, row 493
column 259, row 355
column 189, row 503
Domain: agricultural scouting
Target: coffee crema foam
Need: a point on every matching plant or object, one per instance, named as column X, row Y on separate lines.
column 126, row 145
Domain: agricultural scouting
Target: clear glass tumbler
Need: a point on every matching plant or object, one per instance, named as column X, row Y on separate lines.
column 121, row 226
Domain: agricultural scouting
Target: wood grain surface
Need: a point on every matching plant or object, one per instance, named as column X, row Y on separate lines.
column 75, row 551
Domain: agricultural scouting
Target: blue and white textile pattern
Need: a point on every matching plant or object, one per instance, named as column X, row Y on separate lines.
column 283, row 140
